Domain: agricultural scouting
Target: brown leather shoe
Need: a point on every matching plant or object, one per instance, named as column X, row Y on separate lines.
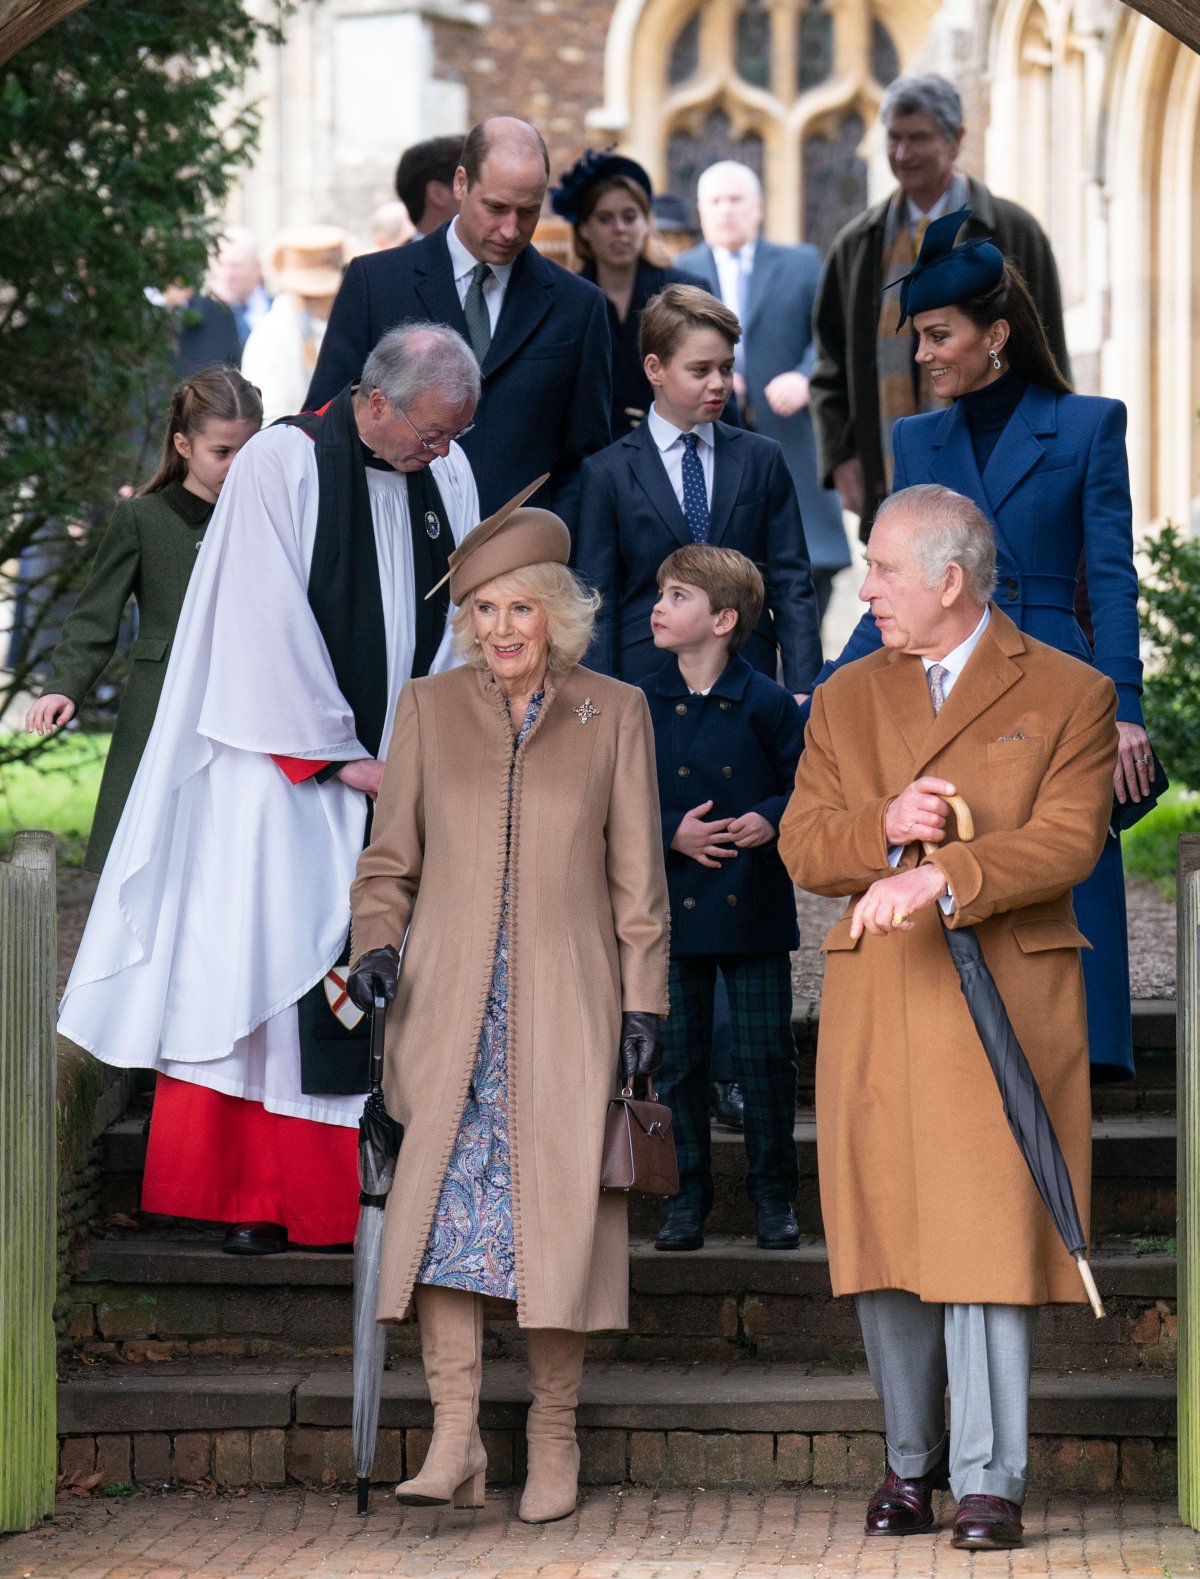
column 901, row 1507
column 987, row 1524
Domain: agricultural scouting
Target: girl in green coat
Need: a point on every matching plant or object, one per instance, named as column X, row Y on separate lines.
column 148, row 552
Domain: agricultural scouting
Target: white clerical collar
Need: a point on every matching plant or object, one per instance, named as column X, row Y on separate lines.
column 665, row 433
column 462, row 261
column 942, row 206
column 743, row 256
column 955, row 660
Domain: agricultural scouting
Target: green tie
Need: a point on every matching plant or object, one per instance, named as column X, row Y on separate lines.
column 475, row 310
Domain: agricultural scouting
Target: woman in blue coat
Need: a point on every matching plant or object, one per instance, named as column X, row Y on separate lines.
column 1049, row 469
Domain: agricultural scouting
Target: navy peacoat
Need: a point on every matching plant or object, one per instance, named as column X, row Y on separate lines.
column 738, row 747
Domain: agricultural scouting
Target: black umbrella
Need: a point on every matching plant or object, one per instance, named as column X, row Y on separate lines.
column 1019, row 1092
column 379, row 1138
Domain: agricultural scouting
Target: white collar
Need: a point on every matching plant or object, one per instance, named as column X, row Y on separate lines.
column 462, row 261
column 942, row 206
column 955, row 660
column 744, row 255
column 665, row 433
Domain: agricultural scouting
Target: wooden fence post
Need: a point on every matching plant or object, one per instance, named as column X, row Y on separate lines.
column 1187, row 1177
column 28, row 1182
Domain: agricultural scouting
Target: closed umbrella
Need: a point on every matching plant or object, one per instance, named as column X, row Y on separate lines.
column 1019, row 1092
column 379, row 1138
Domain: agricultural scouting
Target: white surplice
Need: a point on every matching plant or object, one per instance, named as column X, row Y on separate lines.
column 226, row 894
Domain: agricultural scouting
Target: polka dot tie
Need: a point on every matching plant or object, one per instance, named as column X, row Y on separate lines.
column 937, row 675
column 695, row 495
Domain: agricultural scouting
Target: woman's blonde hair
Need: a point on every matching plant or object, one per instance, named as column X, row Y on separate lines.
column 569, row 607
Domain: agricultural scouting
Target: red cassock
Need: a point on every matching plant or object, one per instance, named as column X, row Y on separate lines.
column 228, row 1160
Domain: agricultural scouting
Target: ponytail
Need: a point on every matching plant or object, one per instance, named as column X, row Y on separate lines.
column 218, row 393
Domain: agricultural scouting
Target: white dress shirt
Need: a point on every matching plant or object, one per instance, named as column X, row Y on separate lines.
column 953, row 663
column 669, row 440
column 463, row 263
column 942, row 206
column 731, row 267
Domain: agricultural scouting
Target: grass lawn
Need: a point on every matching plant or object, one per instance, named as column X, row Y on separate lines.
column 1149, row 847
column 55, row 790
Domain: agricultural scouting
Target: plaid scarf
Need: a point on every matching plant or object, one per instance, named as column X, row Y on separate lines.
column 904, row 388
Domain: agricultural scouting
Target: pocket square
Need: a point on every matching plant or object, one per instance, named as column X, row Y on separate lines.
column 1000, row 739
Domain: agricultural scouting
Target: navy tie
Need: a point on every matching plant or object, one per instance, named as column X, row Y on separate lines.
column 695, row 495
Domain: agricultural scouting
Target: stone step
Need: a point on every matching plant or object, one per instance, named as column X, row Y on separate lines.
column 151, row 1297
column 1133, row 1176
column 650, row 1424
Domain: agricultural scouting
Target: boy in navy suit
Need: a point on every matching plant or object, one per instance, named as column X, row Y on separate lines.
column 685, row 477
column 727, row 740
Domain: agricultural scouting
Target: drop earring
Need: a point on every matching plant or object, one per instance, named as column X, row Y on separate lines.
column 995, row 356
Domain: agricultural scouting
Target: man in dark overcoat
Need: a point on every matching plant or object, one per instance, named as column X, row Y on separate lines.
column 865, row 377
column 540, row 333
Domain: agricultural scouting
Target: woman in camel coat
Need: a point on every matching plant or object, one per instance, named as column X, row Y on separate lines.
column 515, row 857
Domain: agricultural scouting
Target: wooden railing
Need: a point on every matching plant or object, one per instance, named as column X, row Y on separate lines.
column 28, row 1182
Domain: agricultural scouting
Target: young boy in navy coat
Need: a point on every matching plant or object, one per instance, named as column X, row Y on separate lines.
column 727, row 740
column 684, row 477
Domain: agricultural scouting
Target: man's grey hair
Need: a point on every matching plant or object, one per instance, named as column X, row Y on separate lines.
column 417, row 359
column 950, row 530
column 723, row 167
column 926, row 95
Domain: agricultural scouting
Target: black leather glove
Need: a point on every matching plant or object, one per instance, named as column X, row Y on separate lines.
column 377, row 964
column 641, row 1046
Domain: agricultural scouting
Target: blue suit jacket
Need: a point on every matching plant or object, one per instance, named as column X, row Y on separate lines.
column 630, row 520
column 738, row 747
column 546, row 376
column 778, row 336
column 1056, row 485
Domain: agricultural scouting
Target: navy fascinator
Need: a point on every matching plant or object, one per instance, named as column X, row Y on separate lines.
column 944, row 274
column 594, row 164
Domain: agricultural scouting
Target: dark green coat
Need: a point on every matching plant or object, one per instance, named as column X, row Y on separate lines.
column 148, row 553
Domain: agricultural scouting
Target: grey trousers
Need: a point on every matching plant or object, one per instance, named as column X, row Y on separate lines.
column 985, row 1353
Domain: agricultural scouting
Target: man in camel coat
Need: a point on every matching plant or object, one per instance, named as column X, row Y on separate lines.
column 932, row 1219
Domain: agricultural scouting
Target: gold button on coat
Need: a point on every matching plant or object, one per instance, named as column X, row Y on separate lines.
column 726, row 773
column 689, row 903
column 681, row 708
column 731, row 900
column 685, row 772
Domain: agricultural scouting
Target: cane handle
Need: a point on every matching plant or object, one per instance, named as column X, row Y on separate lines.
column 962, row 816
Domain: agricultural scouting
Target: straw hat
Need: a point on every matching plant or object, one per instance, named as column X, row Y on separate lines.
column 509, row 540
column 308, row 259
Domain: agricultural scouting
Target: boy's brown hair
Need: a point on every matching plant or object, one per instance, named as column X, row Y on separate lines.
column 674, row 312
column 728, row 580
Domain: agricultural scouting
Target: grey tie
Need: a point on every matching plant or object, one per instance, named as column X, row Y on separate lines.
column 475, row 310
column 937, row 675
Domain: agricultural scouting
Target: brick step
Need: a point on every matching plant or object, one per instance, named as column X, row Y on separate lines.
column 1133, row 1176
column 649, row 1424
column 153, row 1298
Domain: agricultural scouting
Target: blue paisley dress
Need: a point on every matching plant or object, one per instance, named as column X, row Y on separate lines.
column 471, row 1241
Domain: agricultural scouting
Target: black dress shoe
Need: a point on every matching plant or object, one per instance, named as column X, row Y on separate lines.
column 901, row 1507
column 777, row 1225
column 682, row 1230
column 987, row 1524
column 726, row 1105
column 254, row 1239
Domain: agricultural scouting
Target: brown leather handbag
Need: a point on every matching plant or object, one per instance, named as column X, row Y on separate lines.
column 639, row 1148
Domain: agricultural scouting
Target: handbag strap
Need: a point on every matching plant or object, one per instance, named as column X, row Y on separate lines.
column 651, row 1094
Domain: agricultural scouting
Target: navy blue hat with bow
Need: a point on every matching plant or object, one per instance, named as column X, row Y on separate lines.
column 594, row 164
column 944, row 274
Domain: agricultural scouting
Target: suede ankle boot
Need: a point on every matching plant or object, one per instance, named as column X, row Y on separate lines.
column 552, row 1478
column 451, row 1323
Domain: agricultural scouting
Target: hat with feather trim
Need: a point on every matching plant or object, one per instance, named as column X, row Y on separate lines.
column 945, row 274
column 594, row 164
column 509, row 540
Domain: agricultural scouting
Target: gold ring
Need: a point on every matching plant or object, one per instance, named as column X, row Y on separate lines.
column 898, row 918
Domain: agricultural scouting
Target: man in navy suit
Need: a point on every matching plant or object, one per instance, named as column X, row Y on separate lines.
column 772, row 289
column 540, row 333
column 685, row 477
